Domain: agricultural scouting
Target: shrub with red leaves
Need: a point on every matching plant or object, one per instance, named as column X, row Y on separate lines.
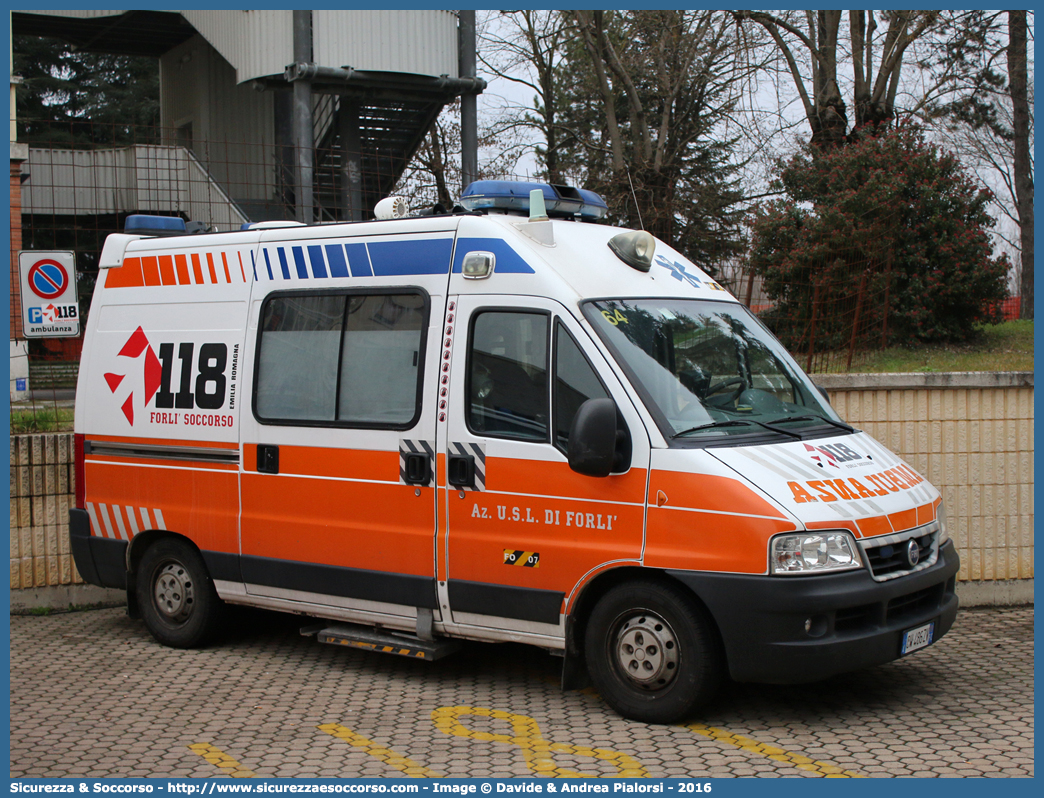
column 889, row 223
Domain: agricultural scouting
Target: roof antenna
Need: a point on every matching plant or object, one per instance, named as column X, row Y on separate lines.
column 635, row 198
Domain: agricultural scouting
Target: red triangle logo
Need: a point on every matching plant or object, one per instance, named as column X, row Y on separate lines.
column 114, row 381
column 128, row 409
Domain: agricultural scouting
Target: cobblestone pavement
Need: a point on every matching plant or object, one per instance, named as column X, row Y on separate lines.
column 93, row 695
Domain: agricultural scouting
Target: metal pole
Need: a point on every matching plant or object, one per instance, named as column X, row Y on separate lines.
column 855, row 322
column 302, row 115
column 351, row 160
column 283, row 103
column 468, row 101
column 812, row 327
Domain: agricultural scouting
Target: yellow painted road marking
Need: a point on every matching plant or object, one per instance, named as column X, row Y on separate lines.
column 216, row 756
column 536, row 750
column 386, row 755
column 770, row 751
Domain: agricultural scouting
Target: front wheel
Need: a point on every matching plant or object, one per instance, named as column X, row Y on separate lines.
column 176, row 595
column 652, row 652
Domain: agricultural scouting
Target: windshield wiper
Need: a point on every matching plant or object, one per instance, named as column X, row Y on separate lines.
column 813, row 417
column 713, row 425
column 738, row 422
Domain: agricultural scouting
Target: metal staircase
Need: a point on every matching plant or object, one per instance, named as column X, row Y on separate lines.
column 390, row 132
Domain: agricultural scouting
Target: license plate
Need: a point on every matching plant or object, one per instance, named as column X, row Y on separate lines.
column 914, row 639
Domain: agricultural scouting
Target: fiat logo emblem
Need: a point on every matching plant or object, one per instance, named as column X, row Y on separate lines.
column 913, row 553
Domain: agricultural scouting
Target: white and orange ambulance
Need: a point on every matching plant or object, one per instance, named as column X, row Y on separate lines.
column 509, row 423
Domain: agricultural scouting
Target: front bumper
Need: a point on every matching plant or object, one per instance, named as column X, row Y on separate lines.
column 855, row 621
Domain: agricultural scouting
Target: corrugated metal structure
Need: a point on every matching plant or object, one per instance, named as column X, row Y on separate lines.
column 415, row 42
column 256, row 44
column 229, row 126
column 376, row 81
column 139, row 179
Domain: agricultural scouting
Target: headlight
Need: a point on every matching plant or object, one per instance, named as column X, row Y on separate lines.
column 813, row 553
column 944, row 531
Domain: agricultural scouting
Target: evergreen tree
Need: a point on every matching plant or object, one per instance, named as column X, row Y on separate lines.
column 889, row 218
column 70, row 98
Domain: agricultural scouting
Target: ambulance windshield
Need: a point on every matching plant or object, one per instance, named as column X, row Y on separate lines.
column 710, row 369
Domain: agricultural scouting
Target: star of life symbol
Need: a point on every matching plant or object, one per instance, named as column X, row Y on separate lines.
column 830, row 459
column 135, row 347
column 678, row 271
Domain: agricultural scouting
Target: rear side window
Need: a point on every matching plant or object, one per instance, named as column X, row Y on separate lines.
column 341, row 359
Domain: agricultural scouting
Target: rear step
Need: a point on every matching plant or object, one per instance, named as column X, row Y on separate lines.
column 402, row 644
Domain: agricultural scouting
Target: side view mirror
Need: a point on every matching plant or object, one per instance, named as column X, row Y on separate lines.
column 593, row 439
column 823, row 391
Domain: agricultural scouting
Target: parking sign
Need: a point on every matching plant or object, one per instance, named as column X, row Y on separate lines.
column 49, row 306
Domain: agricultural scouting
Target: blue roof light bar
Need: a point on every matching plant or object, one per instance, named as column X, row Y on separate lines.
column 144, row 225
column 513, row 197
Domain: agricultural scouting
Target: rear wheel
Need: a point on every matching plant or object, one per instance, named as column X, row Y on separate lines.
column 652, row 652
column 176, row 595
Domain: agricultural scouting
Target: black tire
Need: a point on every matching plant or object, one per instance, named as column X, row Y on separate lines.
column 176, row 595
column 652, row 652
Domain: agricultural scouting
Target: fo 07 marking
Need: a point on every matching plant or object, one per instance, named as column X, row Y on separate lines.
column 525, row 559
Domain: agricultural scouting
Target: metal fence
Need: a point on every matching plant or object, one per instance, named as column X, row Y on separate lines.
column 82, row 180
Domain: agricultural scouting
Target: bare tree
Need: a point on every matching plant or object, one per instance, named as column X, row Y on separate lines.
column 980, row 98
column 436, row 166
column 809, row 42
column 526, row 48
column 1017, row 81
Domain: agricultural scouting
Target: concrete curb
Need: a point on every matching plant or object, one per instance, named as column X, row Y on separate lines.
column 907, row 381
column 62, row 598
column 999, row 593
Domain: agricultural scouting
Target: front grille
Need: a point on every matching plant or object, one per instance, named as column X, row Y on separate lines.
column 914, row 602
column 889, row 555
column 851, row 619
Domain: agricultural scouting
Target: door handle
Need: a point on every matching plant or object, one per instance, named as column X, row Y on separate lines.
column 461, row 470
column 418, row 469
column 268, row 459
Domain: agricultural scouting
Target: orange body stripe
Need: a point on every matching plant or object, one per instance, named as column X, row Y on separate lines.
column 166, row 269
column 558, row 479
column 925, row 514
column 838, row 524
column 320, row 462
column 572, row 537
column 197, row 269
column 708, row 492
column 224, row 262
column 373, row 526
column 906, row 519
column 709, row 542
column 873, row 526
column 210, row 265
column 199, row 504
column 126, row 276
column 150, row 271
column 182, row 266
column 241, row 271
